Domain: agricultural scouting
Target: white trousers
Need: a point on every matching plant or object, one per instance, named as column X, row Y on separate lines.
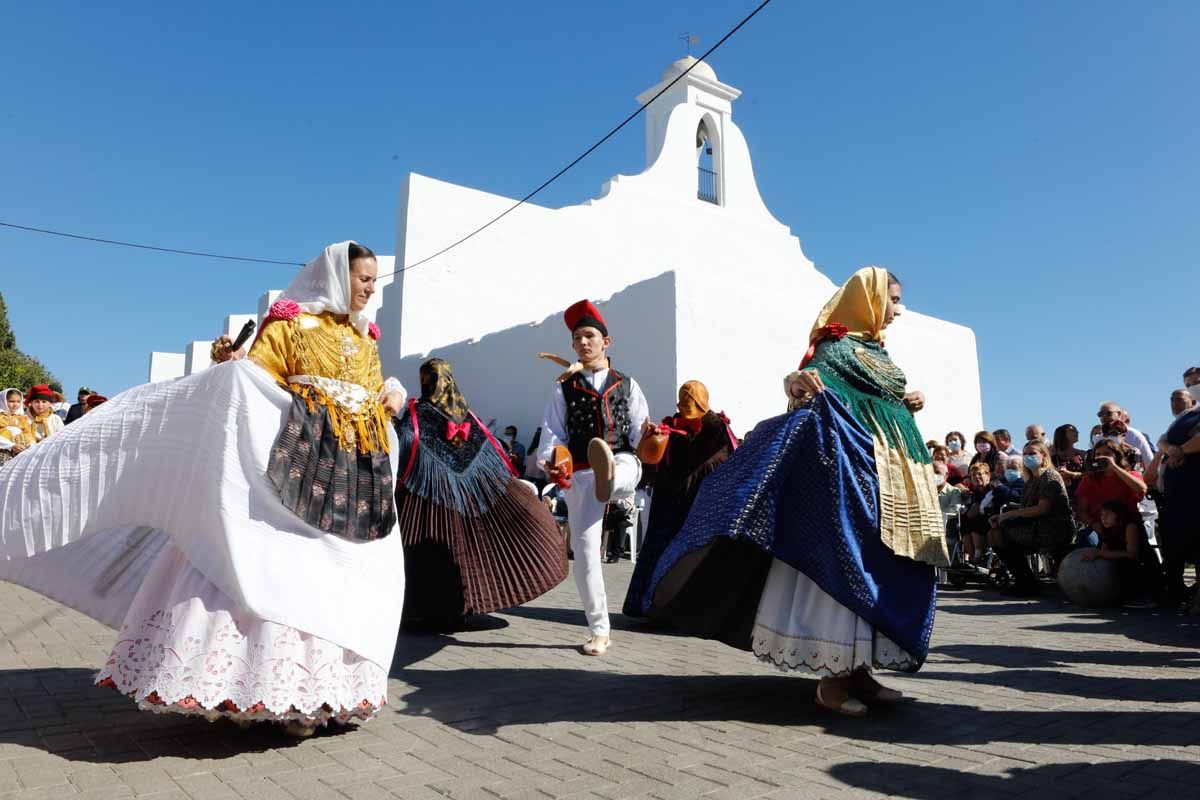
column 585, row 515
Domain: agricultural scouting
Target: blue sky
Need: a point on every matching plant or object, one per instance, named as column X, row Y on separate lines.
column 1029, row 168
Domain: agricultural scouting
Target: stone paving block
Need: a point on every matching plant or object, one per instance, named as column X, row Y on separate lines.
column 1014, row 697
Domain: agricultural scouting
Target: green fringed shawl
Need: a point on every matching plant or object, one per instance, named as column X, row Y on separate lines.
column 866, row 380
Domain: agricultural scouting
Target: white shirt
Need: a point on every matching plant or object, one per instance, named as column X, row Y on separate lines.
column 1138, row 441
column 554, row 419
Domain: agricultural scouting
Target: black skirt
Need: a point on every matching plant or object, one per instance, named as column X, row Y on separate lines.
column 343, row 492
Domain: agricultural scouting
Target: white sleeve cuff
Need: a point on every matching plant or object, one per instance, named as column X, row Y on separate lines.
column 393, row 385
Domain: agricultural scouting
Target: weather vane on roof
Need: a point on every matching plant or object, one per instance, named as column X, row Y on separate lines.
column 688, row 42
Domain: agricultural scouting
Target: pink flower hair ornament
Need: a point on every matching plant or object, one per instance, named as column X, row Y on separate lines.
column 283, row 308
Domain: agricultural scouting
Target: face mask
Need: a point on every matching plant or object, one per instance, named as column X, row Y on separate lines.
column 1032, row 462
column 1012, row 475
column 939, row 479
column 1194, row 391
column 1097, row 438
column 954, row 446
column 983, row 448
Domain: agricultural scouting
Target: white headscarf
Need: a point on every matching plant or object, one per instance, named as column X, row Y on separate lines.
column 324, row 285
column 20, row 412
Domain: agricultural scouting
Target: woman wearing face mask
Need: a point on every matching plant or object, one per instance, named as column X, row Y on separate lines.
column 1181, row 490
column 1068, row 459
column 987, row 452
column 1043, row 522
column 954, row 476
column 699, row 442
column 959, row 459
column 265, row 579
column 1010, row 488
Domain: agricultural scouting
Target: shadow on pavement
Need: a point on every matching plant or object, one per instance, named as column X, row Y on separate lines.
column 60, row 711
column 501, row 697
column 1000, row 655
column 574, row 618
column 1067, row 780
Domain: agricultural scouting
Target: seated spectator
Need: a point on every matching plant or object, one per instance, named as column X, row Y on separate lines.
column 932, row 443
column 1043, row 523
column 1109, row 413
column 954, row 475
column 1123, row 541
column 950, row 499
column 1008, row 487
column 956, row 443
column 1108, row 477
column 986, row 452
column 1068, row 459
column 1096, row 436
column 1004, row 443
column 1035, row 433
column 974, row 520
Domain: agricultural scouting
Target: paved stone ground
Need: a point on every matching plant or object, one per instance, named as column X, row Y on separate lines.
column 1019, row 698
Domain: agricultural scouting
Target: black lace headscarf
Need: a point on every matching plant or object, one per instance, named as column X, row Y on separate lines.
column 440, row 390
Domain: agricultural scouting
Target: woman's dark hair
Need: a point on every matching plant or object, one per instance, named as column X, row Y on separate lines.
column 11, row 392
column 1120, row 451
column 1118, row 508
column 359, row 251
column 893, row 279
column 984, row 436
column 1060, row 437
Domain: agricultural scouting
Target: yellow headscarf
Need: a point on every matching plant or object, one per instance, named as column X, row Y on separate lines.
column 693, row 400
column 859, row 305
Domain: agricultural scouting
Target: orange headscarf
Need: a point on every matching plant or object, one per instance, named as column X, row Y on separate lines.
column 693, row 400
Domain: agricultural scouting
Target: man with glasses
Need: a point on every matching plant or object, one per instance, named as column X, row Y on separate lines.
column 1109, row 413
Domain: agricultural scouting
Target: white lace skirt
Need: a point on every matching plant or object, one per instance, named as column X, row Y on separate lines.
column 799, row 627
column 186, row 648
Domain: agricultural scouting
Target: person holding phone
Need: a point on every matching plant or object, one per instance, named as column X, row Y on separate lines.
column 1108, row 475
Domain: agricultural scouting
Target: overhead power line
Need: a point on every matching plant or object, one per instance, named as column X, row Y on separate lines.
column 148, row 246
column 590, row 150
column 453, row 244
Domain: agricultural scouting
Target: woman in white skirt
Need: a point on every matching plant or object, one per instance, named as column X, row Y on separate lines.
column 238, row 525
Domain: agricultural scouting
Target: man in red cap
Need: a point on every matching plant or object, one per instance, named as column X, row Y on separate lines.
column 599, row 414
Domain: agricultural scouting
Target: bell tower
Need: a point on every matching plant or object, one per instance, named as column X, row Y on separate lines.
column 713, row 102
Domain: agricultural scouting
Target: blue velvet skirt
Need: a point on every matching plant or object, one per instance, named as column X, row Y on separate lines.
column 803, row 489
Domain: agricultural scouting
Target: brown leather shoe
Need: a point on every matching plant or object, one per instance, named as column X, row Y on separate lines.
column 600, row 459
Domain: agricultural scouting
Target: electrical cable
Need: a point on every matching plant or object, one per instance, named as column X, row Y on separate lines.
column 454, row 244
column 148, row 246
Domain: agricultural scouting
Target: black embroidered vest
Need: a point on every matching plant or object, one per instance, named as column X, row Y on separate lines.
column 592, row 414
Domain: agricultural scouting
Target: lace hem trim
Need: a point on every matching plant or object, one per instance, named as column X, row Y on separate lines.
column 828, row 658
column 149, row 699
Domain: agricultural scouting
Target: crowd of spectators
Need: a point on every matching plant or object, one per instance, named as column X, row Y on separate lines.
column 1122, row 499
column 33, row 414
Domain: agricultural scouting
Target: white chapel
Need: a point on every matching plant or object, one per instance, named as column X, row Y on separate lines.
column 695, row 277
